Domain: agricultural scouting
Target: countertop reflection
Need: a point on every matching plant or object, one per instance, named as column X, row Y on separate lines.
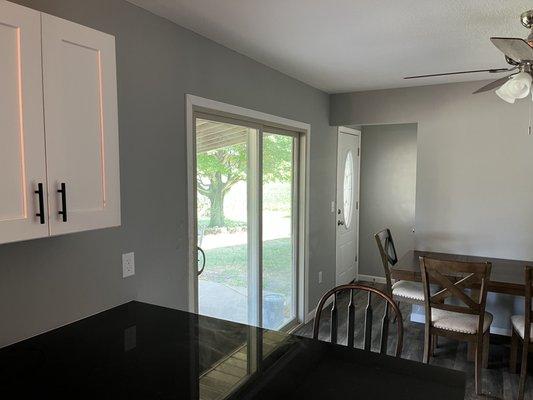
column 142, row 351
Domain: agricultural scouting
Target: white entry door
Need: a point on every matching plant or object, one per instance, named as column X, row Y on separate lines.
column 347, row 205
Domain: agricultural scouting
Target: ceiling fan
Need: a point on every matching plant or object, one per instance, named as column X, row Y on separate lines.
column 518, row 54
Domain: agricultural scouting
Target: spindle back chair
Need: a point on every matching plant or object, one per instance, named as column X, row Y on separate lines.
column 352, row 289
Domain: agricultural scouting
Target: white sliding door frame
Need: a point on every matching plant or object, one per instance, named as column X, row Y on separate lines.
column 195, row 104
column 255, row 222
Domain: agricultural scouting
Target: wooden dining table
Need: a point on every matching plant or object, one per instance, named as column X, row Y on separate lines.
column 507, row 275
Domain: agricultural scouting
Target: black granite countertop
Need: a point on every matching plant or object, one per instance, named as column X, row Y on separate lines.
column 141, row 351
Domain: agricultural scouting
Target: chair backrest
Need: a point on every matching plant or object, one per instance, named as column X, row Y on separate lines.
column 528, row 271
column 388, row 254
column 454, row 277
column 351, row 289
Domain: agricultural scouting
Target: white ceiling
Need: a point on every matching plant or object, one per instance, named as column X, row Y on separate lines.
column 348, row 45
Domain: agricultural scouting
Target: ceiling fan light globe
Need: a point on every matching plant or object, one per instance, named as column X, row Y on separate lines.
column 519, row 85
column 504, row 94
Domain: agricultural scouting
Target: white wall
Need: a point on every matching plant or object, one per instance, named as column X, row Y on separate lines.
column 474, row 169
column 50, row 282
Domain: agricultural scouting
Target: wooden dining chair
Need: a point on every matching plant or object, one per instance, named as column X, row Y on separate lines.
column 405, row 291
column 352, row 289
column 466, row 282
column 521, row 331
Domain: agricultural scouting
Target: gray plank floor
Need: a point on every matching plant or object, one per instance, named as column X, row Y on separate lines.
column 498, row 383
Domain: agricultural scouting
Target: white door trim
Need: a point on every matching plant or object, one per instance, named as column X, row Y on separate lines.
column 196, row 103
column 355, row 132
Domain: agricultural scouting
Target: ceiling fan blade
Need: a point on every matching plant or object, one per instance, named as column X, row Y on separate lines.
column 493, row 85
column 492, row 71
column 514, row 48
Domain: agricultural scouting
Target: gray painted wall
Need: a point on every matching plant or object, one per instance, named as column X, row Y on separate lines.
column 388, row 186
column 474, row 190
column 49, row 282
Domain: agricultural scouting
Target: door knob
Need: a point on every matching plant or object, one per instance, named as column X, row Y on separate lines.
column 339, row 223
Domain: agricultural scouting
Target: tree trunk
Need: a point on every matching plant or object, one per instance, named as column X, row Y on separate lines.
column 216, row 198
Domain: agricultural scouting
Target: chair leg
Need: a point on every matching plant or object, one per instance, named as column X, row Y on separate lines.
column 486, row 347
column 433, row 344
column 471, row 351
column 514, row 351
column 396, row 316
column 479, row 362
column 523, row 372
column 427, row 345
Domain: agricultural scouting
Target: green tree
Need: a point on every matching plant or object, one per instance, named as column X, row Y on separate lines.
column 219, row 170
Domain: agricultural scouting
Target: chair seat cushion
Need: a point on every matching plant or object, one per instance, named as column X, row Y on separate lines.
column 518, row 322
column 408, row 290
column 458, row 322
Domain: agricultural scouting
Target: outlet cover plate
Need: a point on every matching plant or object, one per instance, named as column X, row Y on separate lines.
column 128, row 264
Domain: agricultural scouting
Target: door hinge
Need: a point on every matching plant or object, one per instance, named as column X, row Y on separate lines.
column 358, row 150
column 357, row 205
column 356, row 258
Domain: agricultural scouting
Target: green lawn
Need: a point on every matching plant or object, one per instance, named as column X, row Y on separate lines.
column 228, row 265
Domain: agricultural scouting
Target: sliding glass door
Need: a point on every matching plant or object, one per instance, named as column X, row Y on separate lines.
column 247, row 218
column 279, row 239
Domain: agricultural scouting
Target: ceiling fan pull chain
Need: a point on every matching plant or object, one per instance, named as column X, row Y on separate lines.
column 529, row 127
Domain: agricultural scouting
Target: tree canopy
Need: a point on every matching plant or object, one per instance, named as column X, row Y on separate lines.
column 220, row 169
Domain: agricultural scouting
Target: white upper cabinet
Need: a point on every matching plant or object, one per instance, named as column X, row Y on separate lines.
column 80, row 97
column 58, row 126
column 22, row 154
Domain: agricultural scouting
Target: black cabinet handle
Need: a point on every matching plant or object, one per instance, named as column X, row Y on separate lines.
column 39, row 192
column 63, row 210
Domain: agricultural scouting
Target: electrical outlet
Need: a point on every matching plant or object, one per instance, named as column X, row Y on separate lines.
column 128, row 264
column 320, row 277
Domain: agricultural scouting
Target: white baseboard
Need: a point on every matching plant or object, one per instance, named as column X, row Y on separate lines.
column 421, row 318
column 311, row 314
column 371, row 278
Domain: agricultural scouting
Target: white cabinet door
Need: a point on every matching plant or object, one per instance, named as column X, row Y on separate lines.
column 22, row 155
column 80, row 103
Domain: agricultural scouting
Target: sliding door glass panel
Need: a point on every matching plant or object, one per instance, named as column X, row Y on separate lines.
column 278, row 205
column 247, row 214
column 222, row 153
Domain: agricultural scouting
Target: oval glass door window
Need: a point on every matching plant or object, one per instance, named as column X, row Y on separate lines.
column 348, row 189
